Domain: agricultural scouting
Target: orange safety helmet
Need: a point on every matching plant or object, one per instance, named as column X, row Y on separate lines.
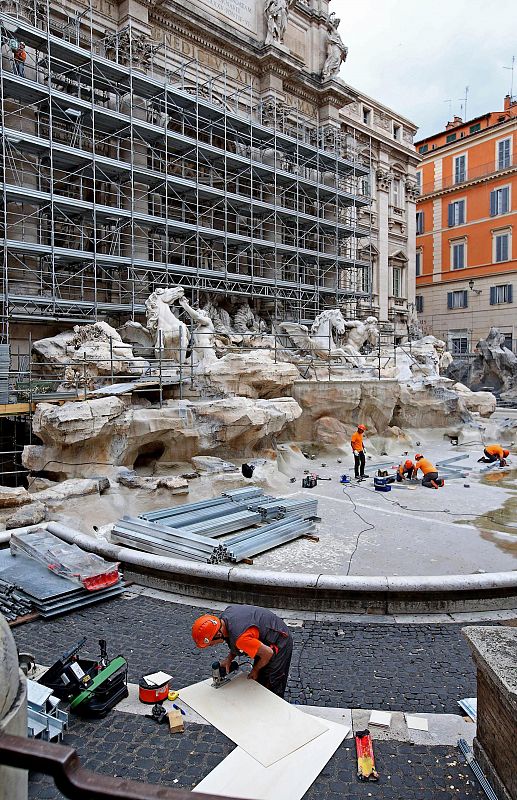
column 418, row 456
column 506, row 453
column 408, row 464
column 361, row 428
column 204, row 629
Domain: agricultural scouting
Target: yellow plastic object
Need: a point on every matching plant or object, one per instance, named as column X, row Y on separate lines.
column 173, row 695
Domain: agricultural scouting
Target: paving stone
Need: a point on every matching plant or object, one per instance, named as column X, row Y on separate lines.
column 411, row 668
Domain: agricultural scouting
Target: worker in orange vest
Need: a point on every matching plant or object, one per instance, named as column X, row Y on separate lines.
column 492, row 453
column 19, row 56
column 430, row 474
column 358, row 450
column 406, row 470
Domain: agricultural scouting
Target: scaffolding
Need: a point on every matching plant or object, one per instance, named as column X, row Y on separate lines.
column 126, row 168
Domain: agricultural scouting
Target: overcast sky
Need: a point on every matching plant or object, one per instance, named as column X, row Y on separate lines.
column 414, row 57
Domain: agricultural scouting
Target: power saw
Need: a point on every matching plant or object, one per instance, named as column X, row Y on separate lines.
column 219, row 675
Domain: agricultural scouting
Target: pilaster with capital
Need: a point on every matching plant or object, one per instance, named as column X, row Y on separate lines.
column 384, row 179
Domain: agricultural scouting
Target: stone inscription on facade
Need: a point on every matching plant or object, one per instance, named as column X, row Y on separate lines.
column 208, row 59
column 239, row 12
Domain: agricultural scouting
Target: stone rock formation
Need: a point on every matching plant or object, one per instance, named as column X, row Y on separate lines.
column 494, row 366
column 27, row 515
column 12, row 497
column 97, row 347
column 251, row 374
column 482, row 403
column 236, row 426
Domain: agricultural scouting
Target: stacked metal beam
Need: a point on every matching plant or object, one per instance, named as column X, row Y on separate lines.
column 13, row 604
column 163, row 540
column 188, row 531
column 251, row 543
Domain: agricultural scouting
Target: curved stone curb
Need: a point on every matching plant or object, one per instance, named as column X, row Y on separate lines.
column 382, row 594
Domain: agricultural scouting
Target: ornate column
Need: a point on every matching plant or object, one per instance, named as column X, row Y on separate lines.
column 384, row 179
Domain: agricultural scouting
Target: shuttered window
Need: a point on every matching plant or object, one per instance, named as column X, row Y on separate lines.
column 458, row 255
column 500, row 201
column 460, row 169
column 501, row 294
column 419, row 222
column 503, row 154
column 456, row 213
column 501, row 247
column 457, row 299
column 419, row 303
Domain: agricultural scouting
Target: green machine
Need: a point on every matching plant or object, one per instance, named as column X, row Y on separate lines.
column 93, row 687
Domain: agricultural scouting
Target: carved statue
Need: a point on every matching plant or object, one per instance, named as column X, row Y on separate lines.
column 221, row 320
column 276, row 13
column 321, row 342
column 244, row 321
column 336, row 50
column 171, row 336
column 203, row 336
column 362, row 332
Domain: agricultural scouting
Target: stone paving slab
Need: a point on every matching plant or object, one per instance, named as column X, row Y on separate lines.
column 411, row 668
column 134, row 747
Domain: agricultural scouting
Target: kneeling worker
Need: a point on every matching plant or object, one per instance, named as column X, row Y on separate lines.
column 406, row 470
column 259, row 634
column 494, row 452
column 430, row 474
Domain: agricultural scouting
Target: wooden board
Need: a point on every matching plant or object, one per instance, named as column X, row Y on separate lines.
column 260, row 722
column 239, row 775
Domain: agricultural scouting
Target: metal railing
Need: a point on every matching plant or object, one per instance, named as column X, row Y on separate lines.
column 64, row 765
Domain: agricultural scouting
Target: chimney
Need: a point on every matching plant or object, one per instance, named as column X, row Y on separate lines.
column 509, row 103
column 456, row 122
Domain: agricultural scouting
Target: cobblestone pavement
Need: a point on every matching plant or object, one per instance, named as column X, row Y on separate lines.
column 414, row 668
column 358, row 665
column 134, row 747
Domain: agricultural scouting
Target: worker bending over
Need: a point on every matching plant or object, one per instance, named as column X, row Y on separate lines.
column 358, row 450
column 430, row 474
column 494, row 452
column 406, row 470
column 259, row 634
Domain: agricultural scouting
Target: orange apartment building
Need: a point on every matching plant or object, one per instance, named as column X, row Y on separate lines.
column 466, row 244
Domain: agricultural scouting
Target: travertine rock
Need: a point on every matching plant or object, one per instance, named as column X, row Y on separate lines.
column 494, row 366
column 11, row 497
column 483, row 403
column 429, row 406
column 212, row 464
column 27, row 515
column 72, row 423
column 331, row 432
column 129, row 478
column 348, row 402
column 98, row 346
column 75, row 487
column 251, row 374
column 135, row 333
column 79, row 443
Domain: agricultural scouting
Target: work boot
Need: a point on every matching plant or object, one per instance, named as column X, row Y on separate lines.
column 365, row 476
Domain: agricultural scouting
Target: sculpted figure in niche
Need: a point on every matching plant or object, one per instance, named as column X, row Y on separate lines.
column 336, row 49
column 276, row 13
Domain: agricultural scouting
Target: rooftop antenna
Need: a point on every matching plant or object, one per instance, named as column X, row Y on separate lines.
column 511, row 70
column 464, row 103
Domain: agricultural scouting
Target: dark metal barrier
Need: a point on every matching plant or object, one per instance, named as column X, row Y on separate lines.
column 76, row 782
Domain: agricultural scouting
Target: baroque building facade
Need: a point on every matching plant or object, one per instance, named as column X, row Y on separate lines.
column 209, row 143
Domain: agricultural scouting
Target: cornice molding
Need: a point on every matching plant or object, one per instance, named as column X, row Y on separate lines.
column 457, row 187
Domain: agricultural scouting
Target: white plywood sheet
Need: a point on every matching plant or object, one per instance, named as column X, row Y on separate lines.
column 260, row 722
column 239, row 775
